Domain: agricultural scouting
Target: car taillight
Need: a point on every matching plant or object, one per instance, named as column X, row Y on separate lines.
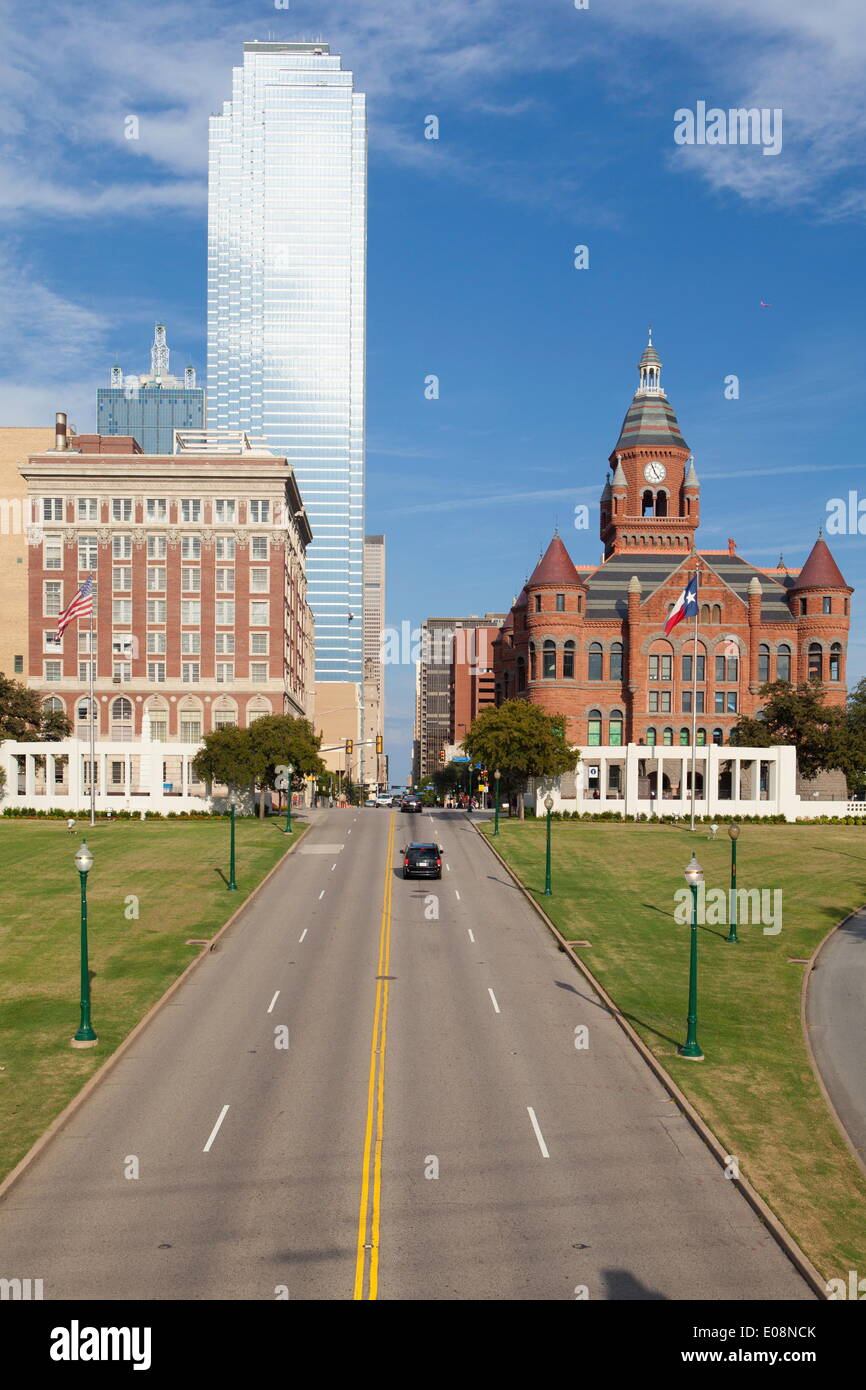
column 438, row 863
column 405, row 863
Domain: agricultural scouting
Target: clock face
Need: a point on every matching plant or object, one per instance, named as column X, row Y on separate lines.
column 655, row 472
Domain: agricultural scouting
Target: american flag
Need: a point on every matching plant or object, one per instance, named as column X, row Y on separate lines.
column 80, row 607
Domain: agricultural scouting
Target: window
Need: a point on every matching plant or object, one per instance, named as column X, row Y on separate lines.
column 86, row 669
column 156, row 672
column 651, row 736
column 190, row 670
column 804, row 607
column 121, row 611
column 156, row 547
column 594, row 728
column 718, row 736
column 763, row 663
column 653, row 702
column 224, row 509
column 54, row 705
column 190, row 547
column 122, row 670
column 560, row 603
column 687, row 666
column 665, row 701
column 259, row 581
column 190, row 509
column 121, row 509
column 156, row 578
column 521, row 673
column 84, row 643
column 224, row 614
column 225, row 581
column 835, row 661
column 156, row 610
column 548, row 666
column 52, row 554
column 260, row 614
column 88, row 509
column 225, row 672
column 727, row 669
column 258, row 672
column 225, row 547
column 783, row 663
column 121, row 547
column 18, row 665
column 826, row 605
column 121, row 578
column 667, row 737
column 731, row 701
column 83, row 712
column 121, row 719
column 155, row 509
column 222, row 718
column 258, row 643
column 156, row 644
column 568, row 661
column 190, row 612
column 596, row 662
column 53, row 670
column 191, row 581
column 260, row 511
column 190, row 643
column 158, row 726
column 719, row 705
column 684, row 738
column 52, row 598
column 190, row 728
column 52, row 645
column 616, row 661
column 225, row 642
column 615, row 726
column 660, row 668
column 122, row 645
column 258, row 547
column 52, row 509
column 687, row 702
column 816, row 662
column 118, row 773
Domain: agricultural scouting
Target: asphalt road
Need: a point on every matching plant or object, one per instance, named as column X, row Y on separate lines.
column 837, row 1025
column 431, row 1131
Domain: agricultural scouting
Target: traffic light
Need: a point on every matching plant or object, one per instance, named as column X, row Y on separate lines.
column 378, row 743
column 349, row 747
column 441, row 755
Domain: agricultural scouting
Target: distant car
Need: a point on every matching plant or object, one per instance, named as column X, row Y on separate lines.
column 371, row 801
column 383, row 801
column 422, row 861
column 411, row 803
column 396, row 801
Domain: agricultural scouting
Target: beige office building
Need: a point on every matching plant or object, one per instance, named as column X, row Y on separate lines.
column 16, row 442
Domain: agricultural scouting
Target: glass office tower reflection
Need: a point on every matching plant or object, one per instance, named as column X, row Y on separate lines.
column 287, row 227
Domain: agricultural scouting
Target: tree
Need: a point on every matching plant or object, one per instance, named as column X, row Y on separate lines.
column 277, row 740
column 225, row 758
column 23, row 718
column 522, row 741
column 798, row 714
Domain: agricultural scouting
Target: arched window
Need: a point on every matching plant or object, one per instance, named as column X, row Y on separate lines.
column 667, row 737
column 783, row 663
column 225, row 712
column 651, row 737
column 549, row 660
column 157, row 712
column 596, row 662
column 816, row 661
column 594, row 728
column 532, row 672
column 616, row 661
column 684, row 738
column 83, row 717
column 54, row 705
column 646, row 505
column 121, row 719
column 717, row 613
column 662, row 504
column 615, row 728
column 700, row 738
column 718, row 736
column 568, row 661
column 835, row 661
column 660, row 666
column 763, row 663
column 521, row 673
column 705, row 613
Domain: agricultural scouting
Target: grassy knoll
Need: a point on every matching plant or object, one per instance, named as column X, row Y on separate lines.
column 174, row 869
column 613, row 885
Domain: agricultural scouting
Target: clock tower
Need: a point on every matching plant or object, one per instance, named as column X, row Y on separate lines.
column 651, row 502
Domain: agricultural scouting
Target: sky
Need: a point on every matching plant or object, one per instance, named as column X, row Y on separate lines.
column 556, row 130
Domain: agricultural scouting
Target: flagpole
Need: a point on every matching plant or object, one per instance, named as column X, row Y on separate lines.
column 90, row 664
column 695, row 699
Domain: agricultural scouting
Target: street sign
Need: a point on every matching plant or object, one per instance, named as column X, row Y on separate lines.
column 592, row 772
column 461, row 760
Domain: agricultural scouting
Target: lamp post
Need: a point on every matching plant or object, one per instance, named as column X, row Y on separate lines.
column 289, row 770
column 548, row 805
column 496, row 777
column 691, row 1050
column 85, row 1037
column 232, row 884
column 734, row 832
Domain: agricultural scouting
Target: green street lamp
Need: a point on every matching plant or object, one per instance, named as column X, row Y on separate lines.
column 85, row 1037
column 734, row 832
column 232, row 884
column 548, row 804
column 496, row 777
column 289, row 770
column 691, row 1050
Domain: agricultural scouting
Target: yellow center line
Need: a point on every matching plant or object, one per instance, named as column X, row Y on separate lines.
column 376, row 1098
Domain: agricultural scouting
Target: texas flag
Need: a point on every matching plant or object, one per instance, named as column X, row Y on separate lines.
column 686, row 606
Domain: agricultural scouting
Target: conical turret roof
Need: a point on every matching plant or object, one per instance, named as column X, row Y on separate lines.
column 820, row 570
column 554, row 567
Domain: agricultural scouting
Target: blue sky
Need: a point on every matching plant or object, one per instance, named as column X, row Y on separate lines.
column 556, row 129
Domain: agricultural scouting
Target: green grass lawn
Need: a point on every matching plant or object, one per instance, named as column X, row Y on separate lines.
column 175, row 871
column 613, row 885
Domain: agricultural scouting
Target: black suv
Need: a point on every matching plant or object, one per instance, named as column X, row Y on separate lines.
column 422, row 861
column 411, row 803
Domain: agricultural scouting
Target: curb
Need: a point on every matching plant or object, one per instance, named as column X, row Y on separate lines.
column 781, row 1236
column 61, row 1120
column 813, row 961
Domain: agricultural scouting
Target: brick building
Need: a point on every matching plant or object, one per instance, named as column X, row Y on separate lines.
column 201, row 617
column 588, row 641
column 473, row 683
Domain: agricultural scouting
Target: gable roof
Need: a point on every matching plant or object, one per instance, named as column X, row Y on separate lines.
column 608, row 585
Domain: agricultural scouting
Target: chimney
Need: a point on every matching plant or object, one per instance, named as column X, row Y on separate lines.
column 60, row 440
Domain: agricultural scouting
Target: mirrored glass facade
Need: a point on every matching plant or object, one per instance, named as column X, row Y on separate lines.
column 287, row 224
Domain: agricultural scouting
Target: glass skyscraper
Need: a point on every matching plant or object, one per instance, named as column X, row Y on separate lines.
column 152, row 406
column 287, row 225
